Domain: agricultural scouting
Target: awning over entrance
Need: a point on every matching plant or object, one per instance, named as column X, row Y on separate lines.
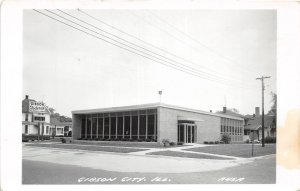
column 189, row 119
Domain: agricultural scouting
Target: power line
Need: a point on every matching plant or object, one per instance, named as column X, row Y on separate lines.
column 117, row 29
column 174, row 67
column 189, row 68
column 120, row 46
column 192, row 38
column 230, row 61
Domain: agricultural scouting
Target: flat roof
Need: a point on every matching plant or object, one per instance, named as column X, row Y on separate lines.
column 149, row 106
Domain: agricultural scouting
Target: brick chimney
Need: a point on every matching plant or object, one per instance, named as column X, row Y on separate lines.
column 224, row 109
column 257, row 114
column 26, row 96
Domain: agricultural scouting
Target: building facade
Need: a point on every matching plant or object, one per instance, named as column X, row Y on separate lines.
column 155, row 122
column 59, row 128
column 35, row 118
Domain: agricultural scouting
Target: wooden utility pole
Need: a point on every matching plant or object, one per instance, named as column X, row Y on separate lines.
column 263, row 112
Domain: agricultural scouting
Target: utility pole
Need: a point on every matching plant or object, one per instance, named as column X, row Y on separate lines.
column 263, row 112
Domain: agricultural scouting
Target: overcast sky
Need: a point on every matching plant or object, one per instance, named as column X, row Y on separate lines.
column 70, row 70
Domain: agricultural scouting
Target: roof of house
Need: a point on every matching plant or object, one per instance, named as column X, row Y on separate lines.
column 150, row 106
column 55, row 121
column 255, row 123
column 231, row 113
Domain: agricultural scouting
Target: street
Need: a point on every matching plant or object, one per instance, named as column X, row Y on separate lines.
column 36, row 170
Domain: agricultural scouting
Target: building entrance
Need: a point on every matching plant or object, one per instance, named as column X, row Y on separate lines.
column 187, row 132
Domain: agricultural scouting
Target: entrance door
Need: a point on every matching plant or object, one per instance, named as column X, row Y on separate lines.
column 186, row 132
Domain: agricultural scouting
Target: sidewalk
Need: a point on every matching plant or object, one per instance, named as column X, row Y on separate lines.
column 120, row 162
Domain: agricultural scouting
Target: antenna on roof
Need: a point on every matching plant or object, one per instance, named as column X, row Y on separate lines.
column 225, row 100
column 160, row 93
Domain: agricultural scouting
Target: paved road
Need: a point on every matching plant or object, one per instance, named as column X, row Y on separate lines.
column 259, row 171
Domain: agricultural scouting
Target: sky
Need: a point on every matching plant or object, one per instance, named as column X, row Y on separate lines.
column 70, row 70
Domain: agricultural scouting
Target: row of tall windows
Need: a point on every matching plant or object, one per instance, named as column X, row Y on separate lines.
column 232, row 127
column 131, row 125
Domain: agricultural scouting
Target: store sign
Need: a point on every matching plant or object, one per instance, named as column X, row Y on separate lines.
column 37, row 107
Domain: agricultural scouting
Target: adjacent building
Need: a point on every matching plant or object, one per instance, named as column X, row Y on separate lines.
column 155, row 122
column 254, row 124
column 59, row 128
column 35, row 117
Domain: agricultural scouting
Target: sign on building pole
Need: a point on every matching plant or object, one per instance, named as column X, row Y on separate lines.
column 37, row 107
column 252, row 137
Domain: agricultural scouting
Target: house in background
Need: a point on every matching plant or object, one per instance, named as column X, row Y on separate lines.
column 60, row 128
column 35, row 117
column 254, row 124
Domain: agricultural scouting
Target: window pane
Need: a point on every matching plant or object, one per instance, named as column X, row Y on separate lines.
column 83, row 128
column 113, row 127
column 89, row 127
column 120, row 127
column 150, row 127
column 127, row 127
column 100, row 127
column 94, row 130
column 142, row 127
column 134, row 127
column 106, row 128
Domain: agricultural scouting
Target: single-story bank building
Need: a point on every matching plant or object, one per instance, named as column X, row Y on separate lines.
column 155, row 122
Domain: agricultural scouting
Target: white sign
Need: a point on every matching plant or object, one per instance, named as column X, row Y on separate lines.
column 37, row 107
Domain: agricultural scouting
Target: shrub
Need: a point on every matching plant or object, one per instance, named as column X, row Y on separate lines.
column 124, row 139
column 270, row 140
column 131, row 140
column 247, row 141
column 166, row 142
column 221, row 142
column 205, row 142
column 63, row 140
column 172, row 143
column 140, row 140
column 26, row 138
column 148, row 140
column 53, row 134
column 226, row 138
column 217, row 142
column 211, row 142
column 180, row 143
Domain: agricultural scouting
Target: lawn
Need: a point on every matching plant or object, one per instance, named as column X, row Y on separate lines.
column 186, row 155
column 88, row 147
column 237, row 150
column 125, row 144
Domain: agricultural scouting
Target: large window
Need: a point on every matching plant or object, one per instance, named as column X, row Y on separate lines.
column 113, row 127
column 142, row 132
column 89, row 132
column 134, row 128
column 26, row 129
column 120, row 128
column 26, row 117
column 232, row 127
column 83, row 126
column 127, row 127
column 94, row 127
column 137, row 125
column 100, row 127
column 106, row 127
column 151, row 126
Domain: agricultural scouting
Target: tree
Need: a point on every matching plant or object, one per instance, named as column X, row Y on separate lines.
column 273, row 109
